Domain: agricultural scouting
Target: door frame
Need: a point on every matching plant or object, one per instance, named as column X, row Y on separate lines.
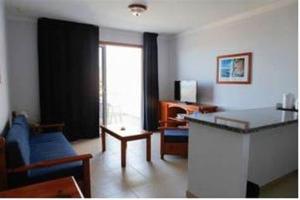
column 103, row 44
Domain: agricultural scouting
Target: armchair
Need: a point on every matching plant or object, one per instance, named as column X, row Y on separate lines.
column 173, row 140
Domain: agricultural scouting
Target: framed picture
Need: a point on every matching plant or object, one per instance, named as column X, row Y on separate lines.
column 234, row 69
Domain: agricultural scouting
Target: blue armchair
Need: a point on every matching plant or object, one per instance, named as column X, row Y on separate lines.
column 174, row 138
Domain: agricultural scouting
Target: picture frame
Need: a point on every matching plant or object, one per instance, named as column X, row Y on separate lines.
column 234, row 68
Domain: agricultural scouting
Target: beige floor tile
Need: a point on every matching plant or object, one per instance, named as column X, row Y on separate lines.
column 159, row 178
column 286, row 187
column 160, row 190
column 140, row 178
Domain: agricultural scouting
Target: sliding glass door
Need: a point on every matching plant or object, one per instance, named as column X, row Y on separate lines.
column 121, row 85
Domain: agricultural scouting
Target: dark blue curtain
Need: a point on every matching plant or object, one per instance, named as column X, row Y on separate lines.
column 69, row 76
column 150, row 78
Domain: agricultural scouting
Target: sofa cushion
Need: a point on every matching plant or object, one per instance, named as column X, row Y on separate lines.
column 176, row 135
column 49, row 146
column 17, row 146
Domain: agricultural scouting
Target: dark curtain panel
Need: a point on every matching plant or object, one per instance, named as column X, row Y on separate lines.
column 150, row 78
column 69, row 76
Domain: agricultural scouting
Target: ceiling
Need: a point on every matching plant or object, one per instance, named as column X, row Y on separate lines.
column 162, row 16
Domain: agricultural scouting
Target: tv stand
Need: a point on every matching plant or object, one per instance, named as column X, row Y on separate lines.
column 170, row 109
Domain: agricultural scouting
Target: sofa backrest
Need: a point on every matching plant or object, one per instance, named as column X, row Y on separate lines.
column 17, row 143
column 21, row 120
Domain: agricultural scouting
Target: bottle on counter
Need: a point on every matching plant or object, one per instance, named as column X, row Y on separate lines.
column 288, row 100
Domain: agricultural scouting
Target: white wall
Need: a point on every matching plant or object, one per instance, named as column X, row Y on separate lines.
column 117, row 35
column 4, row 99
column 164, row 72
column 23, row 71
column 23, row 58
column 271, row 36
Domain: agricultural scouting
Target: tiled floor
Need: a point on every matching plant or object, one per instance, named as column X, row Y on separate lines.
column 159, row 178
column 285, row 187
column 140, row 178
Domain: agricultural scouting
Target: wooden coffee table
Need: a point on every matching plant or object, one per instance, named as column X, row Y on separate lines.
column 129, row 134
column 59, row 188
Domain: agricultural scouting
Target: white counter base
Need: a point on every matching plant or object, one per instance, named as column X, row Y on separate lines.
column 273, row 154
column 221, row 161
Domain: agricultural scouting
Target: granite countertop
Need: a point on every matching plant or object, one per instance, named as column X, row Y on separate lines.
column 246, row 121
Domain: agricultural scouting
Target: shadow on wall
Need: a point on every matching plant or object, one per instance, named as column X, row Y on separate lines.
column 205, row 92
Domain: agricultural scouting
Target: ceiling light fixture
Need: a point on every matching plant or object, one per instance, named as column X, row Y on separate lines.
column 137, row 9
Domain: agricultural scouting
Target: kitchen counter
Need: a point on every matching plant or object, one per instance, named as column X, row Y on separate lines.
column 228, row 149
column 246, row 121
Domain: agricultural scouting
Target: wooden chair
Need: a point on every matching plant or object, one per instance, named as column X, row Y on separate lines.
column 174, row 138
column 3, row 170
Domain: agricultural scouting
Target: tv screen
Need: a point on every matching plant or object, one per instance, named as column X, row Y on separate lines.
column 186, row 91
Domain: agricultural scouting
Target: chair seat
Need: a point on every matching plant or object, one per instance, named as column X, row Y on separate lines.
column 50, row 146
column 176, row 136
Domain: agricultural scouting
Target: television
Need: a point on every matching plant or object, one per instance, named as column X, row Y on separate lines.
column 186, row 91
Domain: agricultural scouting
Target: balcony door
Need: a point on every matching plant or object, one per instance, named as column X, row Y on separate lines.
column 120, row 85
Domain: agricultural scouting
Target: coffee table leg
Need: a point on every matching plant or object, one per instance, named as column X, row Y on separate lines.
column 148, row 148
column 103, row 139
column 123, row 153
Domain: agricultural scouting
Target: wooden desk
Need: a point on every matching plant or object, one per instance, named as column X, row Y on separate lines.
column 170, row 109
column 59, row 188
column 129, row 134
column 177, row 120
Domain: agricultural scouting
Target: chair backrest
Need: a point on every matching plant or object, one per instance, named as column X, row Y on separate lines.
column 17, row 143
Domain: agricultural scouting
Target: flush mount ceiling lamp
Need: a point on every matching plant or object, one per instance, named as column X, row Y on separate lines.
column 137, row 8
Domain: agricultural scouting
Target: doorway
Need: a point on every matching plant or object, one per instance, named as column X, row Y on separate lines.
column 120, row 85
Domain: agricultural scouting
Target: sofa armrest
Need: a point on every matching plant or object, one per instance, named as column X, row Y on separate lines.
column 39, row 128
column 85, row 158
column 49, row 163
column 3, row 175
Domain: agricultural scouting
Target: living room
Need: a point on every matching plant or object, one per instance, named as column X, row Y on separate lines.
column 133, row 87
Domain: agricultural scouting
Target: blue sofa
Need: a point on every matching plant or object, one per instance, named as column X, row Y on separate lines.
column 34, row 157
